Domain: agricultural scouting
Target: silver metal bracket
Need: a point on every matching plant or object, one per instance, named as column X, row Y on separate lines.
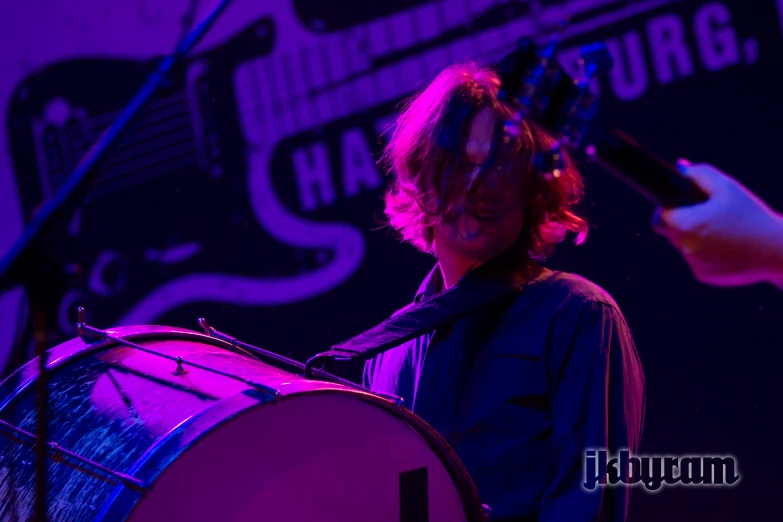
column 73, row 460
column 398, row 402
column 87, row 330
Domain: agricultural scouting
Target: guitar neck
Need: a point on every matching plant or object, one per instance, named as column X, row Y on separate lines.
column 565, row 104
column 656, row 179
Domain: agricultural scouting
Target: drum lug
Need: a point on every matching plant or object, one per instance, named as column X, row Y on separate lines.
column 180, row 370
column 398, row 403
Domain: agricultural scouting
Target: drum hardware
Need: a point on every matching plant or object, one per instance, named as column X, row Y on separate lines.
column 56, row 453
column 237, row 344
column 180, row 370
column 324, row 358
column 138, row 444
column 87, row 332
column 308, row 373
column 66, row 200
column 398, row 402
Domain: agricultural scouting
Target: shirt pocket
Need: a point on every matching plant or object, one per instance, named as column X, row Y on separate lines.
column 515, row 379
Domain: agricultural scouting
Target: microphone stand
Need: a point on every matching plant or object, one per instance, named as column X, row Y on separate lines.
column 20, row 263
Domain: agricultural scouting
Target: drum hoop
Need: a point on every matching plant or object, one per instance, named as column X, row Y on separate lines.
column 148, row 468
column 156, row 459
column 471, row 501
column 122, row 501
column 20, row 380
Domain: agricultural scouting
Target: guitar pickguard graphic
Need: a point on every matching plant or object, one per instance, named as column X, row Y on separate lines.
column 232, row 109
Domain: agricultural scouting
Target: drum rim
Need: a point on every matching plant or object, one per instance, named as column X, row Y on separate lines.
column 152, row 463
column 471, row 500
column 65, row 353
column 122, row 501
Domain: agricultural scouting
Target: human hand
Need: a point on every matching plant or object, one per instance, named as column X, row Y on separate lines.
column 732, row 239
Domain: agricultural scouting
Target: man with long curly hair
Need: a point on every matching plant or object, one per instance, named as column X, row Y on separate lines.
column 522, row 388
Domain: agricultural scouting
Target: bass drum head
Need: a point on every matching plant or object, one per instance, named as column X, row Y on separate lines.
column 331, row 455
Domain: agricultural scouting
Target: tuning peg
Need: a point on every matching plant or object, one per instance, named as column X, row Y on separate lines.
column 550, row 164
column 596, row 58
column 512, row 69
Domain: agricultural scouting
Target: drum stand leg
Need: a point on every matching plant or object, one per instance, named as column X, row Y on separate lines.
column 41, row 328
column 41, row 450
column 43, row 280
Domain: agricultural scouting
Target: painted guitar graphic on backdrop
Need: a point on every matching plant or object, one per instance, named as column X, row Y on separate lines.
column 251, row 131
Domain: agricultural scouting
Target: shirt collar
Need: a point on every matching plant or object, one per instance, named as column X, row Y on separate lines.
column 514, row 259
column 431, row 285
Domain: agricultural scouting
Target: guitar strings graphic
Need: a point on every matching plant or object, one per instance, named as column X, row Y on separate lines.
column 275, row 100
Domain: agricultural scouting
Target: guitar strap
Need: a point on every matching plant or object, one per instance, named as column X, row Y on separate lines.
column 500, row 278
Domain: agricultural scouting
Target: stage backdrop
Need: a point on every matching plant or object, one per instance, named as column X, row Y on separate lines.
column 249, row 193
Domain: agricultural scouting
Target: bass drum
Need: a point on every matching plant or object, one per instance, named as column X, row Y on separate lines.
column 220, row 436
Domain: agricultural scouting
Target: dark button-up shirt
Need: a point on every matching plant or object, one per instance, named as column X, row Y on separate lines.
column 521, row 389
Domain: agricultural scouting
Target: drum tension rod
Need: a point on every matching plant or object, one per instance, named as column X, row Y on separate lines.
column 180, row 370
column 85, row 332
column 61, row 455
column 307, row 370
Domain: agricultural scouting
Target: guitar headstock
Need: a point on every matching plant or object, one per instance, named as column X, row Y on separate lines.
column 541, row 91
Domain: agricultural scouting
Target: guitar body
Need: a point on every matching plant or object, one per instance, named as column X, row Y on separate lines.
column 170, row 201
column 96, row 55
column 168, row 220
column 251, row 181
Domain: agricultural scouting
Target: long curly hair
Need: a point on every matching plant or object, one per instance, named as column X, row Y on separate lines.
column 426, row 145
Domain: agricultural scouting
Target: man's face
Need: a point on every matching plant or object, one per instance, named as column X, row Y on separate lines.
column 496, row 193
